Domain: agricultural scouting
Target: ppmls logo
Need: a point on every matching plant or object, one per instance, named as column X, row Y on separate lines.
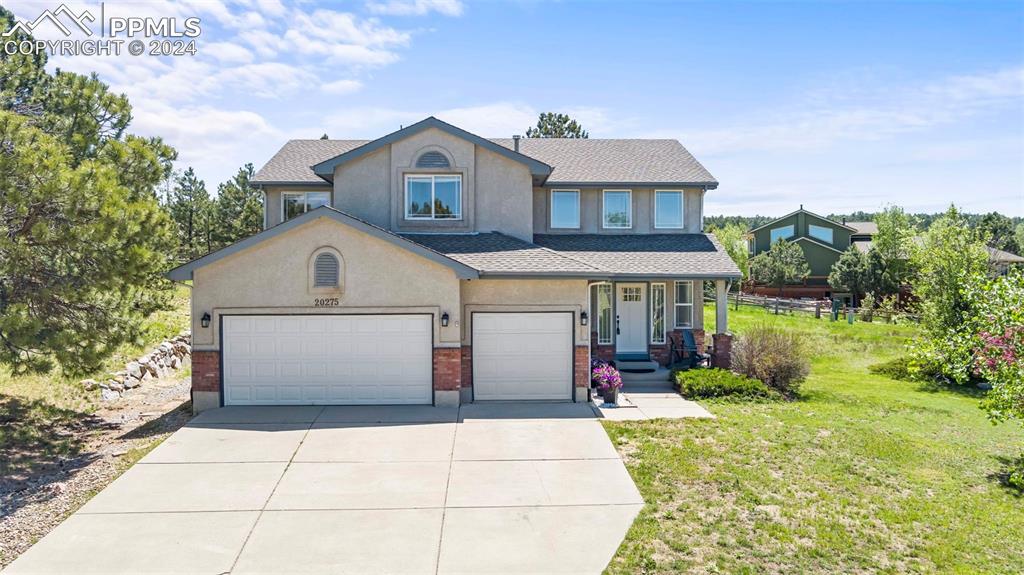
column 117, row 35
column 78, row 20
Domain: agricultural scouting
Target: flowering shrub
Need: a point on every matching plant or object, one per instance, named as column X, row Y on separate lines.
column 605, row 377
column 998, row 343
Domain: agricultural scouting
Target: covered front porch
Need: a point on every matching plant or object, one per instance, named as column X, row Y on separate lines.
column 638, row 320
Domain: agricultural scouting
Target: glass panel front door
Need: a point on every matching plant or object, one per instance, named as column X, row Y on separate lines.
column 631, row 318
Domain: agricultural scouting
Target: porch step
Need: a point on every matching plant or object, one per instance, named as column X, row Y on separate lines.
column 636, row 366
column 659, row 377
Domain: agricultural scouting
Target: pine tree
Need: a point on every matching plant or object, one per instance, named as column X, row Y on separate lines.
column 782, row 264
column 239, row 209
column 190, row 208
column 554, row 125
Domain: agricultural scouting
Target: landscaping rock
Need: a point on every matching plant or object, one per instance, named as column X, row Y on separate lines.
column 109, row 394
column 175, row 363
column 115, row 385
column 89, row 384
column 134, row 369
column 131, row 383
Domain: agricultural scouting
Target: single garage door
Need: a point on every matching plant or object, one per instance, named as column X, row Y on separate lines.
column 522, row 356
column 327, row 359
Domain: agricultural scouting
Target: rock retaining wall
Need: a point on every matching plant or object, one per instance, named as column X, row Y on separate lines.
column 166, row 358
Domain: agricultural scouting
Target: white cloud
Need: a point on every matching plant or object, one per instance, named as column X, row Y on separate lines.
column 228, row 52
column 342, row 87
column 873, row 116
column 416, row 7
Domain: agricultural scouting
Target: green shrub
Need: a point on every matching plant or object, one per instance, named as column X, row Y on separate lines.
column 895, row 368
column 774, row 356
column 720, row 383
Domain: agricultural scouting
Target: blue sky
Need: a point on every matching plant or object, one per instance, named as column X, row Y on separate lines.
column 837, row 106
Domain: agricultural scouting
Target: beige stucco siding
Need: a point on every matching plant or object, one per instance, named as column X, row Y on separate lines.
column 361, row 187
column 504, row 192
column 524, row 295
column 273, row 277
column 461, row 155
column 591, row 211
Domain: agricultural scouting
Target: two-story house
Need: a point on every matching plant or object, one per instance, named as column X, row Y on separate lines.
column 434, row 266
column 822, row 240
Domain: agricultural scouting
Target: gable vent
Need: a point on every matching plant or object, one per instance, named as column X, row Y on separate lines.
column 325, row 271
column 432, row 160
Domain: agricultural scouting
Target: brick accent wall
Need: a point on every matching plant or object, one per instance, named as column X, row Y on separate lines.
column 467, row 366
column 722, row 356
column 582, row 366
column 205, row 370
column 602, row 352
column 660, row 353
column 447, row 368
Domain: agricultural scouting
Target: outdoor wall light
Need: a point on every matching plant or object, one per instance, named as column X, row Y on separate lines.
column 444, row 319
column 205, row 320
column 583, row 318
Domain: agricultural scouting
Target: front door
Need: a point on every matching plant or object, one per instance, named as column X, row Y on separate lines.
column 631, row 319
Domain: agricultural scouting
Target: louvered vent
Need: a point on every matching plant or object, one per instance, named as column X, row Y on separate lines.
column 325, row 271
column 432, row 160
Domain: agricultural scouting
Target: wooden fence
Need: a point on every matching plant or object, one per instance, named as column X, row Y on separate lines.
column 819, row 308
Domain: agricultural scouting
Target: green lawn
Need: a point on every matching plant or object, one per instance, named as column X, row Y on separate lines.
column 864, row 474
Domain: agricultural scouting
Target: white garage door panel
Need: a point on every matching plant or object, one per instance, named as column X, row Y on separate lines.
column 522, row 356
column 275, row 360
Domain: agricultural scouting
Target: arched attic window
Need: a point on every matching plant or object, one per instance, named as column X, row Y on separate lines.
column 325, row 271
column 432, row 160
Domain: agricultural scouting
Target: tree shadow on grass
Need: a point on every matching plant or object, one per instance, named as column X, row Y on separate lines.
column 40, row 443
column 1011, row 474
column 942, row 386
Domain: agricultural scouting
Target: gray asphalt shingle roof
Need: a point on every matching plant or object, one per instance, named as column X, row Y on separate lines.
column 575, row 161
column 646, row 254
column 864, row 228
column 494, row 252
column 625, row 161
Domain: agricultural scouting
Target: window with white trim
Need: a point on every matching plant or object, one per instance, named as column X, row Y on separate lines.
column 782, row 233
column 433, row 197
column 657, row 313
column 684, row 304
column 604, row 313
column 822, row 233
column 297, row 203
column 565, row 209
column 617, row 209
column 668, row 209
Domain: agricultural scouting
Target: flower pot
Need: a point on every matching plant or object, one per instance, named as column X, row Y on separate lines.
column 610, row 395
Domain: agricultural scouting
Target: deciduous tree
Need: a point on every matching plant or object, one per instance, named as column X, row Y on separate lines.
column 782, row 264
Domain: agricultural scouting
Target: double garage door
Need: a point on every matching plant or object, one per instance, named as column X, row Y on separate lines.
column 327, row 359
column 388, row 359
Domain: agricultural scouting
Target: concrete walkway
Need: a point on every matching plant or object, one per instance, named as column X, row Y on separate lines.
column 499, row 488
column 653, row 402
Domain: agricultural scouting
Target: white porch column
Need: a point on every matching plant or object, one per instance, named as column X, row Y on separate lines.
column 721, row 307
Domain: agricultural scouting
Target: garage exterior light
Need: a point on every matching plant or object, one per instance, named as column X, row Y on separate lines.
column 205, row 320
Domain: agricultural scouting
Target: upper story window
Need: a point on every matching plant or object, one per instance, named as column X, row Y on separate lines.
column 430, row 197
column 297, row 203
column 618, row 209
column 565, row 209
column 668, row 209
column 782, row 233
column 432, row 160
column 820, row 233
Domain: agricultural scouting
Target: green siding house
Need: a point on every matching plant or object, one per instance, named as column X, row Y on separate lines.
column 822, row 240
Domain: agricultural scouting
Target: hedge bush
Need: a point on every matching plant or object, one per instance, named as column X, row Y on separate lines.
column 720, row 383
column 777, row 357
column 895, row 368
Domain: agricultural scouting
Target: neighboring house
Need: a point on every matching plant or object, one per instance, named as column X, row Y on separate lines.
column 822, row 240
column 434, row 266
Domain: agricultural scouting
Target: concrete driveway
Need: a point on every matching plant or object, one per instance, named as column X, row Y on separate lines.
column 498, row 488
